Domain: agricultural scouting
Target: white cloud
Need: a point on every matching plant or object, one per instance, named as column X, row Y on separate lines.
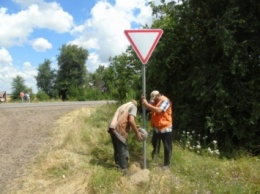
column 41, row 44
column 28, row 73
column 103, row 34
column 51, row 16
column 5, row 58
column 8, row 72
column 16, row 28
column 92, row 62
column 25, row 3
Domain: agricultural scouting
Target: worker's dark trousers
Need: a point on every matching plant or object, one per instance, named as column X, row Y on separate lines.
column 166, row 138
column 156, row 142
column 121, row 152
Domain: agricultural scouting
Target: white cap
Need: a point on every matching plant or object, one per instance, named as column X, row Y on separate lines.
column 154, row 94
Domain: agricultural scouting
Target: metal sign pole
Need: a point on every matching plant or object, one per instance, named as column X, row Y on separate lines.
column 143, row 42
column 144, row 116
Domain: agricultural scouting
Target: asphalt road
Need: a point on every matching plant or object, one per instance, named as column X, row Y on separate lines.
column 48, row 104
column 25, row 128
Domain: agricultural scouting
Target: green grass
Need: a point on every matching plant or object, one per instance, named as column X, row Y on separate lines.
column 199, row 173
column 195, row 173
column 82, row 162
column 203, row 173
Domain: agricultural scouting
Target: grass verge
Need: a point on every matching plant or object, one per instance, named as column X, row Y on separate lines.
column 81, row 161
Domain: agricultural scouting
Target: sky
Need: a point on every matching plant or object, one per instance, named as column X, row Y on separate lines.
column 34, row 30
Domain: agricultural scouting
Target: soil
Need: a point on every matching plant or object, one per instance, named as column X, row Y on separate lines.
column 23, row 132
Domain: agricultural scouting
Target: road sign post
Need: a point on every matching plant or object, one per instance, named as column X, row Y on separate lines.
column 144, row 112
column 144, row 42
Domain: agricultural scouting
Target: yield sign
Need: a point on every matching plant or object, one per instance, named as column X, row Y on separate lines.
column 144, row 41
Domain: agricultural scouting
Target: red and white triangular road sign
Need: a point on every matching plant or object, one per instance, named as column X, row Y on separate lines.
column 144, row 41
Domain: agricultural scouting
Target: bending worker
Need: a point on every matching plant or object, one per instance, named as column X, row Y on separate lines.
column 123, row 119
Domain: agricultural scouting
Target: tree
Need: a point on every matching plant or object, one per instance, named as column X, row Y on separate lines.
column 46, row 78
column 207, row 61
column 18, row 85
column 126, row 69
column 72, row 70
column 97, row 79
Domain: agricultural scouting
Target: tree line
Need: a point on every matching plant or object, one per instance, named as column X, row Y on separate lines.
column 207, row 62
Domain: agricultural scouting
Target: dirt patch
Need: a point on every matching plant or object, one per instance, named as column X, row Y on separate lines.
column 23, row 132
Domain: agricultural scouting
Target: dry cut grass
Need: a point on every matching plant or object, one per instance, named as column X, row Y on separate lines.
column 56, row 169
column 80, row 160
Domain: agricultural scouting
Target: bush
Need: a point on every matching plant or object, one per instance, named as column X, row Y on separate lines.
column 42, row 96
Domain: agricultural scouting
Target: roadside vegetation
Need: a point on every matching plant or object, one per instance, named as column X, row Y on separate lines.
column 206, row 63
column 80, row 160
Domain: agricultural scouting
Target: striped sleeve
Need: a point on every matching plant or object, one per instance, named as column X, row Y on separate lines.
column 165, row 105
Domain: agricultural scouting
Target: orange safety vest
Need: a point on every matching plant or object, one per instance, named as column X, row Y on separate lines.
column 162, row 120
